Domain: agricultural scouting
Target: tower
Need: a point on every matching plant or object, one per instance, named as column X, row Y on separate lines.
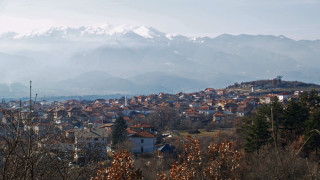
column 125, row 101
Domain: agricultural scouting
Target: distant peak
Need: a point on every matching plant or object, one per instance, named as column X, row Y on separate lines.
column 143, row 31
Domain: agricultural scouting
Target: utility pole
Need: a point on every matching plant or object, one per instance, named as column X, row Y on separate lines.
column 30, row 99
column 275, row 140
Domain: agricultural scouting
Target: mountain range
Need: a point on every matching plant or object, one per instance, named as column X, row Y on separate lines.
column 138, row 60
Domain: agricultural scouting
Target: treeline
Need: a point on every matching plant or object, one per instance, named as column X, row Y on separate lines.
column 297, row 120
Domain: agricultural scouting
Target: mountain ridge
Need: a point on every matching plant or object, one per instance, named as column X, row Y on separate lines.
column 54, row 55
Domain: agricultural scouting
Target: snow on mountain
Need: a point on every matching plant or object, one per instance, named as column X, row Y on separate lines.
column 50, row 56
column 64, row 32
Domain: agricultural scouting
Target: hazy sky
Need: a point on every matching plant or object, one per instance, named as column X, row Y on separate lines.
column 298, row 19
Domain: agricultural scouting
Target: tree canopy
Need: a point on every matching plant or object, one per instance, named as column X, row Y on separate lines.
column 119, row 133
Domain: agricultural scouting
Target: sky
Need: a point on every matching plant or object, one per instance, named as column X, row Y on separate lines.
column 297, row 19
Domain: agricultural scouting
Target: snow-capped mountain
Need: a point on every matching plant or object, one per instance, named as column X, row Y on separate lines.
column 83, row 32
column 141, row 59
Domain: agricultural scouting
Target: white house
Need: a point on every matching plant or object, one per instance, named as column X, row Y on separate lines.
column 283, row 96
column 143, row 141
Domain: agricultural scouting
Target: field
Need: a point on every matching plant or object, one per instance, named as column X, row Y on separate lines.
column 203, row 132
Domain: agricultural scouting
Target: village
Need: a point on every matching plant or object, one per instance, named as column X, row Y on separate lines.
column 74, row 127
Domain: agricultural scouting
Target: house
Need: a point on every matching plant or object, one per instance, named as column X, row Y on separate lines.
column 108, row 127
column 141, row 98
column 221, row 92
column 90, row 140
column 162, row 95
column 269, row 98
column 194, row 105
column 218, row 117
column 231, row 107
column 100, row 101
column 196, row 117
column 283, row 96
column 210, row 90
column 297, row 93
column 242, row 111
column 206, row 110
column 65, row 126
column 143, row 142
column 73, row 111
column 210, row 102
column 59, row 113
column 165, row 149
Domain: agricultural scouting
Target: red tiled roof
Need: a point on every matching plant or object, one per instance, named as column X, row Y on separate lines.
column 144, row 134
column 106, row 125
column 144, row 125
column 219, row 114
column 131, row 131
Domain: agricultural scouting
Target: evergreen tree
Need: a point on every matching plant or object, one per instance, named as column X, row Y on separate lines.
column 295, row 116
column 277, row 115
column 313, row 124
column 277, row 111
column 312, row 99
column 119, row 133
column 257, row 134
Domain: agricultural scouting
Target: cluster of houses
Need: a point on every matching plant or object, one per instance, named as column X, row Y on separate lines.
column 79, row 125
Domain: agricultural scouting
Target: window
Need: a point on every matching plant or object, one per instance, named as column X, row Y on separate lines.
column 142, row 140
column 141, row 148
column 96, row 139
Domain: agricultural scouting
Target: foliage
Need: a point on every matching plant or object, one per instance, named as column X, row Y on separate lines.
column 312, row 99
column 257, row 133
column 313, row 124
column 165, row 118
column 122, row 168
column 119, row 134
column 224, row 162
column 191, row 161
column 295, row 116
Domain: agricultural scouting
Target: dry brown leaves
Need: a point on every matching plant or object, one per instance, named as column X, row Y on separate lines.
column 224, row 162
column 122, row 168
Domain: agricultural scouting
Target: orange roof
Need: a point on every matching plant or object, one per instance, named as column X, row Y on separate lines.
column 106, row 125
column 131, row 131
column 141, row 116
column 144, row 125
column 210, row 89
column 205, row 108
column 144, row 134
column 191, row 111
column 219, row 114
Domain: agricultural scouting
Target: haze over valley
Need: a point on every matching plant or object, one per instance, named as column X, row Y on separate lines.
column 87, row 60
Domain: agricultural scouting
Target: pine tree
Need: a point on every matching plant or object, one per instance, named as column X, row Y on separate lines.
column 312, row 99
column 295, row 116
column 257, row 134
column 119, row 134
column 313, row 124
